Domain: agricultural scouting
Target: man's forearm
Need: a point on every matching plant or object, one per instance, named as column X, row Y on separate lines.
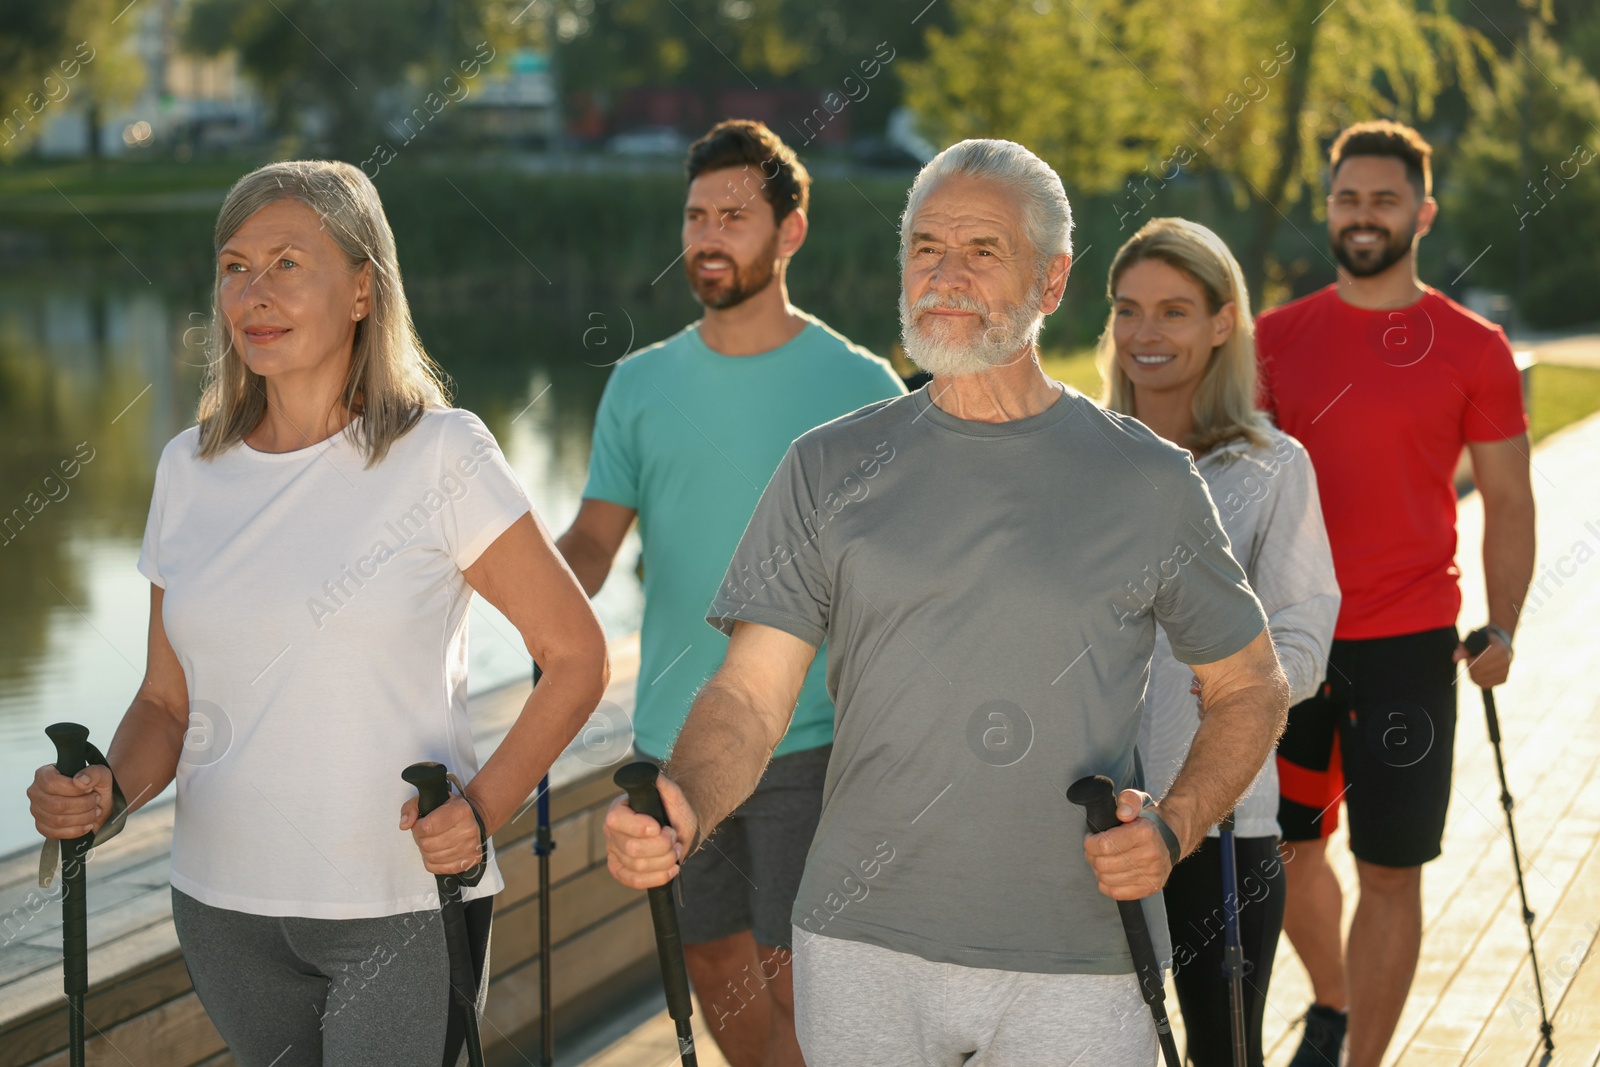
column 589, row 561
column 1508, row 551
column 1234, row 739
column 721, row 753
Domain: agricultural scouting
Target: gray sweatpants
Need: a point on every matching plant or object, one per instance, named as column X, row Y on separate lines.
column 296, row 992
column 859, row 1005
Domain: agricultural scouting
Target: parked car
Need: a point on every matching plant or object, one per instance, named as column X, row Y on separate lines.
column 649, row 141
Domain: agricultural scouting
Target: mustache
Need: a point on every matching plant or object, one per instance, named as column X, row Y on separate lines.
column 952, row 302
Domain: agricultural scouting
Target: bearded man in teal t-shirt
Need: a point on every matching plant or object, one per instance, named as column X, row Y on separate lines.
column 688, row 433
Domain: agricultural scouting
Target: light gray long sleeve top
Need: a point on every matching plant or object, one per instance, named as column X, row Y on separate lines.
column 1266, row 498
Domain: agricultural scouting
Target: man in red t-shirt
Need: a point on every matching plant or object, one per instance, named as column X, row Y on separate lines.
column 1385, row 380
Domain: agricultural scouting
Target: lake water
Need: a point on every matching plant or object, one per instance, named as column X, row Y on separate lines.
column 98, row 370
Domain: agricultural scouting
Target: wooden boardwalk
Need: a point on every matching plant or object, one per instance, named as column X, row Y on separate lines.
column 1472, row 1004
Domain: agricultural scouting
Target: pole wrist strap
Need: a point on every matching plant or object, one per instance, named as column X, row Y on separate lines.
column 1174, row 849
column 50, row 855
column 473, row 875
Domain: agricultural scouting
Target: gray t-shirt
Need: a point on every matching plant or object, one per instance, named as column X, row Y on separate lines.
column 989, row 593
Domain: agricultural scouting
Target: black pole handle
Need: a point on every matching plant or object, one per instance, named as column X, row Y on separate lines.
column 433, row 789
column 1097, row 795
column 71, row 741
column 638, row 780
column 1475, row 643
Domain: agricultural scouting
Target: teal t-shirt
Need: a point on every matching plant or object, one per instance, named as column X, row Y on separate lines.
column 689, row 438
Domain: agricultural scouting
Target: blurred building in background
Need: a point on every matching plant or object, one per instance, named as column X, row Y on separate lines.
column 185, row 103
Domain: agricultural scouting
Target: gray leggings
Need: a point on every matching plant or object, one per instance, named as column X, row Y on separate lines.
column 294, row 992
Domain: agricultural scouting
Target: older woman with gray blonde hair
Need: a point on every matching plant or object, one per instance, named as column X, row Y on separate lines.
column 312, row 547
column 1178, row 354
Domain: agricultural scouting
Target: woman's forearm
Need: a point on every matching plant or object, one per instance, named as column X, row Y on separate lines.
column 145, row 750
column 569, row 688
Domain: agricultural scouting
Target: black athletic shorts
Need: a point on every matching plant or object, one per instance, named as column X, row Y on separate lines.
column 746, row 875
column 1384, row 722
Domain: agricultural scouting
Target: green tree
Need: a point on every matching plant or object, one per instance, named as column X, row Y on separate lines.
column 611, row 45
column 1528, row 192
column 1128, row 95
column 352, row 63
column 54, row 52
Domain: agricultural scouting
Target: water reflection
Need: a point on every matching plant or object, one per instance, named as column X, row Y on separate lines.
column 98, row 372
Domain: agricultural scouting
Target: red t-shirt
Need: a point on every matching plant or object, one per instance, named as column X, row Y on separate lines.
column 1384, row 401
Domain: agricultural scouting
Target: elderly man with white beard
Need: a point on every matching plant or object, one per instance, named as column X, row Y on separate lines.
column 987, row 559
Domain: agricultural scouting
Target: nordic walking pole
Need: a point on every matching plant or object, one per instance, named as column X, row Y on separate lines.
column 70, row 739
column 432, row 791
column 1232, row 946
column 1475, row 643
column 638, row 780
column 543, row 845
column 1096, row 795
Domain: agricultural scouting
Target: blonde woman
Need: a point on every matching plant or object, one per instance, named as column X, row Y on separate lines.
column 312, row 547
column 1178, row 354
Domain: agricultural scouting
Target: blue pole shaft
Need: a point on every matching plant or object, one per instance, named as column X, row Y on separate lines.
column 1233, row 950
column 542, row 847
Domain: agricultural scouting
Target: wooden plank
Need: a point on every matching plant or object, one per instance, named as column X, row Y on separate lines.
column 119, row 975
column 582, row 964
column 591, row 788
column 520, row 867
column 1577, row 1018
column 655, row 1044
column 148, row 834
column 175, row 1034
column 1489, row 922
column 1475, row 861
column 575, row 906
column 114, row 909
column 139, row 907
column 1565, row 937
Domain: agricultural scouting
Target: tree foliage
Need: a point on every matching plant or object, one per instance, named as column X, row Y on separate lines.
column 1129, row 94
column 1527, row 186
column 611, row 45
column 347, row 62
column 54, row 52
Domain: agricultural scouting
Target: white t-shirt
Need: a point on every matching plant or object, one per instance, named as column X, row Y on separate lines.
column 319, row 611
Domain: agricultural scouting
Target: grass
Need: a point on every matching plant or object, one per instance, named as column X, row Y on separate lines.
column 1558, row 396
column 1076, row 368
column 25, row 182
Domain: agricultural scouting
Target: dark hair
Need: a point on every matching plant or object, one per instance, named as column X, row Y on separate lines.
column 1387, row 138
column 744, row 143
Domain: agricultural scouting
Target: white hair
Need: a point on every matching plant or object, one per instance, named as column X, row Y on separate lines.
column 1046, row 215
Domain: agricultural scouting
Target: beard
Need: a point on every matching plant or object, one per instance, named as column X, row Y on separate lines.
column 934, row 346
column 1366, row 262
column 742, row 281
